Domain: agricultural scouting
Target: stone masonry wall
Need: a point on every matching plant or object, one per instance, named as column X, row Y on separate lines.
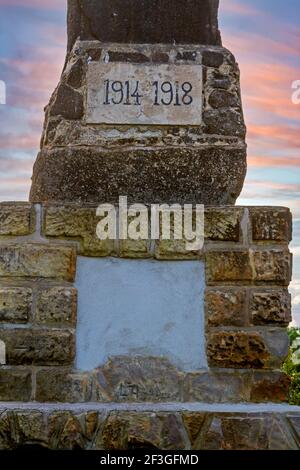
column 85, row 163
column 247, row 308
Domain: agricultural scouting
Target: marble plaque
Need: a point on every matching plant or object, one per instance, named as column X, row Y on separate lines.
column 123, row 93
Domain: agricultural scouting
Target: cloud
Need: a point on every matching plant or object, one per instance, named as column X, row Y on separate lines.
column 236, row 8
column 48, row 4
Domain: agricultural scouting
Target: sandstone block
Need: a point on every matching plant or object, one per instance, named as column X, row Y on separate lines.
column 217, row 386
column 77, row 223
column 15, row 304
column 230, row 266
column 270, row 387
column 37, row 260
column 57, row 306
column 133, row 430
column 272, row 266
column 164, row 175
column 247, row 349
column 38, row 347
column 15, row 385
column 222, row 224
column 138, row 379
column 270, row 307
column 271, row 224
column 62, row 385
column 225, row 307
column 16, row 219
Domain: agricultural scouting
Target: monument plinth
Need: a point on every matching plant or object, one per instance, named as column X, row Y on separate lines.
column 144, row 343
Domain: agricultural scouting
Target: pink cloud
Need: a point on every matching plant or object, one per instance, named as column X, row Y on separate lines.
column 233, row 7
column 48, row 4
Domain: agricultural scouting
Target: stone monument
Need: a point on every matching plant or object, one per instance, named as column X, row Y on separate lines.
column 141, row 343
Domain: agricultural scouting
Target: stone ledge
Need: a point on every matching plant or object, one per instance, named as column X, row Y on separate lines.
column 166, row 428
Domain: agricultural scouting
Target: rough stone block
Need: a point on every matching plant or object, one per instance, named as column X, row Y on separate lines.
column 67, row 103
column 133, row 430
column 37, row 260
column 15, row 304
column 272, row 224
column 247, row 349
column 269, row 387
column 77, row 223
column 62, row 385
column 142, row 174
column 225, row 307
column 138, row 379
column 57, row 305
column 217, row 386
column 135, row 249
column 142, row 22
column 222, row 224
column 38, row 347
column 273, row 266
column 270, row 307
column 256, row 432
column 230, row 266
column 15, row 385
column 16, row 219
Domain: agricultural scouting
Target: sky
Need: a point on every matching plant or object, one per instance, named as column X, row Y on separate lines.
column 264, row 35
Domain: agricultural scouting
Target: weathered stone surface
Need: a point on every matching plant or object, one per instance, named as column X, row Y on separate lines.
column 61, row 385
column 135, row 249
column 295, row 422
column 67, row 103
column 271, row 224
column 16, row 219
column 20, row 428
column 15, row 385
column 37, row 260
column 137, row 379
column 270, row 307
column 167, row 175
column 272, row 266
column 40, row 347
column 224, row 121
column 15, row 304
column 237, row 349
column 222, row 224
column 217, row 386
column 223, row 99
column 225, row 307
column 66, row 431
column 144, row 22
column 77, row 223
column 57, row 305
column 269, row 387
column 228, row 266
column 124, row 431
column 193, row 423
column 212, row 58
column 262, row 432
column 75, row 74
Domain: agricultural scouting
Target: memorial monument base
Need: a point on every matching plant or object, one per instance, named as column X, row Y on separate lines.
column 142, row 391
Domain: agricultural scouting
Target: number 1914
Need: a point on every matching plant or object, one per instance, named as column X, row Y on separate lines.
column 164, row 93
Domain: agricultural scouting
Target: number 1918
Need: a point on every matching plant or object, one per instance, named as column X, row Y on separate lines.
column 164, row 93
